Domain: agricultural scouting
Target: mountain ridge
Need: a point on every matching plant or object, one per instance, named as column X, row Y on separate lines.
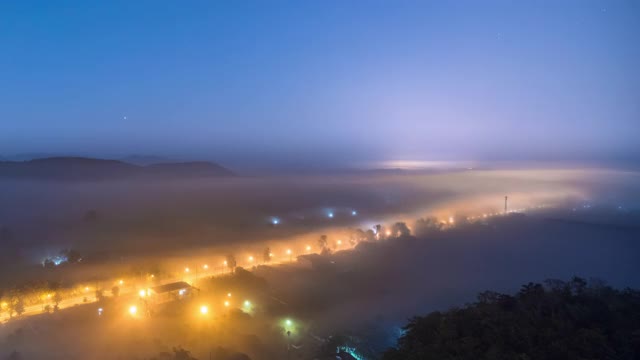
column 85, row 168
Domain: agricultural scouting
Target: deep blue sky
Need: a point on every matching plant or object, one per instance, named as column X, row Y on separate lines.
column 321, row 81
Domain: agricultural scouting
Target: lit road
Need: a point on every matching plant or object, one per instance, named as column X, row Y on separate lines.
column 131, row 288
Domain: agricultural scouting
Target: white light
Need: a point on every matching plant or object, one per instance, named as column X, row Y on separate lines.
column 181, row 292
column 186, row 270
column 133, row 310
column 339, row 242
column 354, row 213
column 205, row 266
column 330, row 215
column 275, row 221
column 204, row 310
column 247, row 303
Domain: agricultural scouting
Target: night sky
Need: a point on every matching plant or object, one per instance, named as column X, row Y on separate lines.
column 322, row 82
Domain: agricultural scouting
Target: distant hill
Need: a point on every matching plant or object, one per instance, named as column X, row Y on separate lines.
column 146, row 159
column 79, row 168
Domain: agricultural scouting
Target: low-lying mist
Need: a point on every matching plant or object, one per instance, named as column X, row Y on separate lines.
column 455, row 241
column 121, row 219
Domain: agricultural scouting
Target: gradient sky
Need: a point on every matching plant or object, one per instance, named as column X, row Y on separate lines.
column 272, row 82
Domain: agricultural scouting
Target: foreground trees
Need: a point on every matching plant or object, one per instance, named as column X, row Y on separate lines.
column 561, row 320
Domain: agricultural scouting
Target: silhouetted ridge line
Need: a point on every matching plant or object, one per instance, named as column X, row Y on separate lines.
column 81, row 168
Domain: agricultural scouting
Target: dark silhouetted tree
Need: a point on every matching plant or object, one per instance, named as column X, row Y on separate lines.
column 427, row 225
column 400, row 229
column 266, row 255
column 18, row 306
column 57, row 298
column 231, row 262
column 48, row 264
column 572, row 320
column 99, row 295
column 322, row 241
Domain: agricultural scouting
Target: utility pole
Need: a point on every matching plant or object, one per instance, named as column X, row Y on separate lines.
column 505, row 204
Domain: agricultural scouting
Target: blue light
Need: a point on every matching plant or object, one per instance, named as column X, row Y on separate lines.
column 275, row 221
column 354, row 213
column 330, row 215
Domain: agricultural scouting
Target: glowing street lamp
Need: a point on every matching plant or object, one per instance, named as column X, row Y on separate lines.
column 121, row 282
column 205, row 266
column 204, row 310
column 99, row 311
column 330, row 215
column 133, row 310
column 308, row 247
column 354, row 213
column 186, row 269
column 247, row 303
column 250, row 258
column 228, row 294
column 142, row 293
column 226, row 303
column 339, row 242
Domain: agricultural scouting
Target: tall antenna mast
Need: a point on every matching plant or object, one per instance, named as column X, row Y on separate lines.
column 505, row 204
